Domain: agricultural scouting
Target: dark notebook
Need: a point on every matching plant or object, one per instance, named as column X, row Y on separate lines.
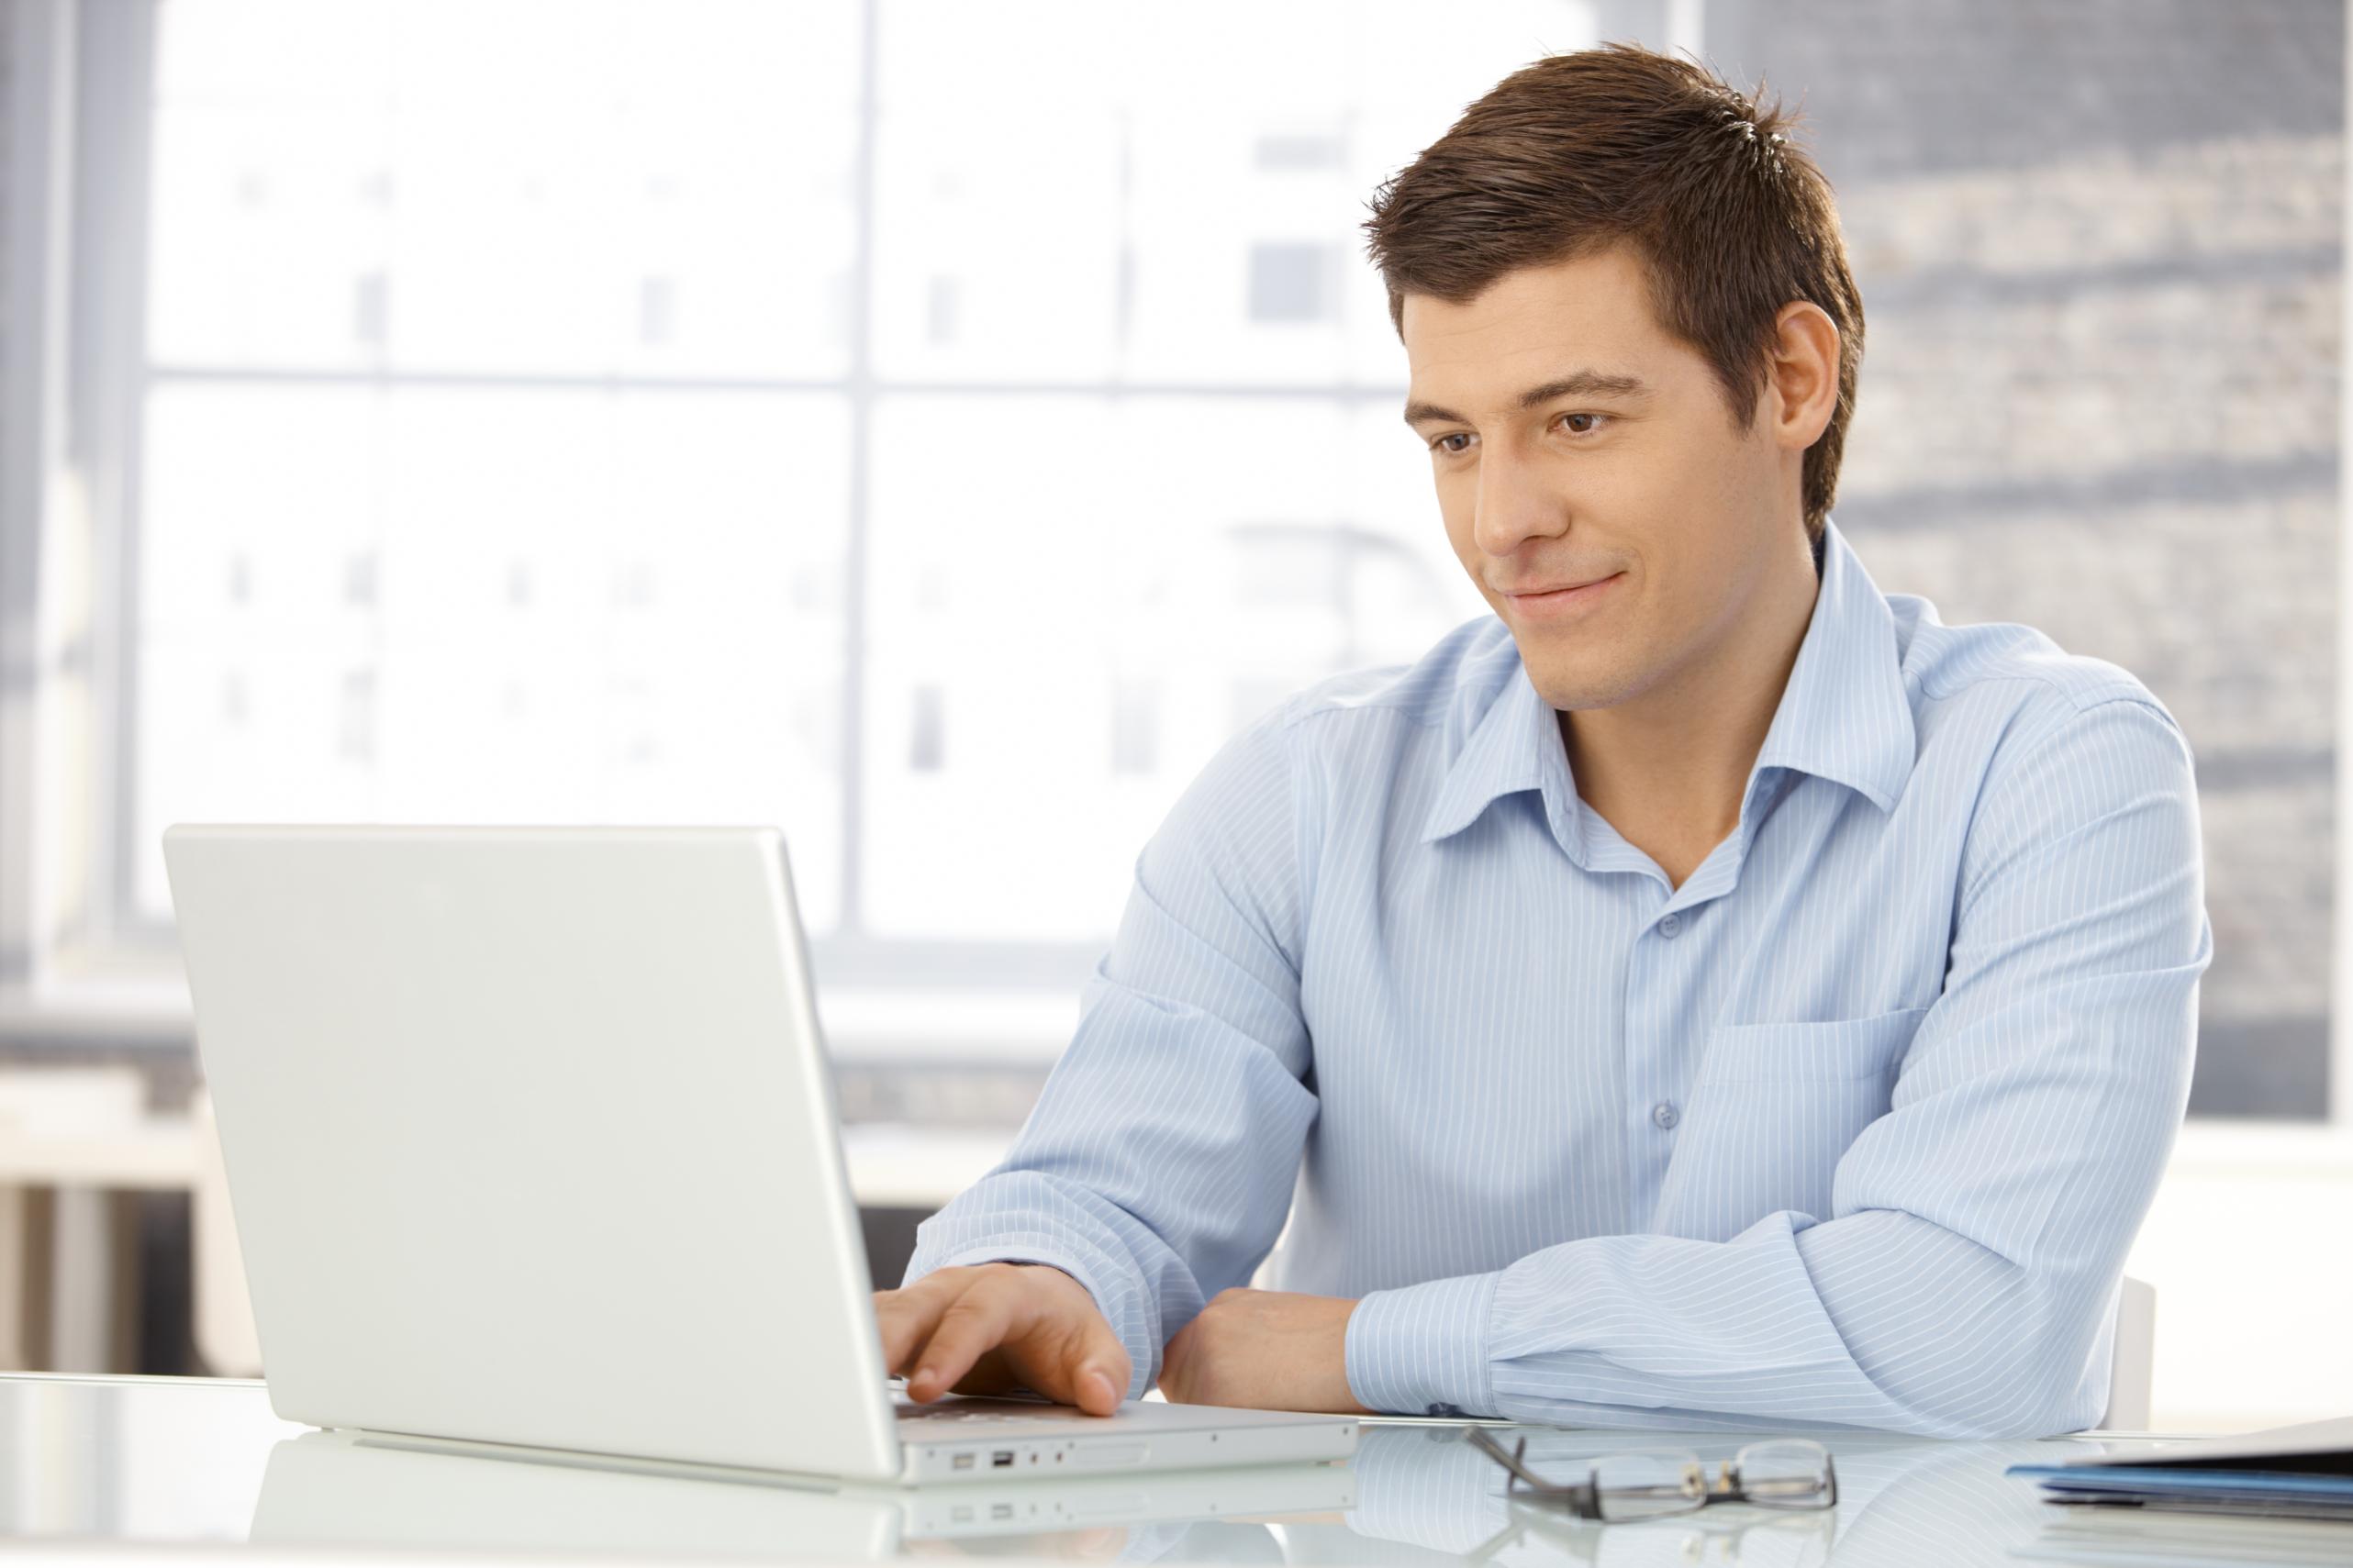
column 2302, row 1471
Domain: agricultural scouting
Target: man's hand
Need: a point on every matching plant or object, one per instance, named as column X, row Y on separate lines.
column 1266, row 1349
column 998, row 1326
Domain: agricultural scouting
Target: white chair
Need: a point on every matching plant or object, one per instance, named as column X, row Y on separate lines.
column 2130, row 1363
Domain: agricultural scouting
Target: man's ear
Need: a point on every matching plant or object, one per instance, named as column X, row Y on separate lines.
column 1802, row 375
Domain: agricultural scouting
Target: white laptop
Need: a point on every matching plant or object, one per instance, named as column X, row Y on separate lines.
column 530, row 1141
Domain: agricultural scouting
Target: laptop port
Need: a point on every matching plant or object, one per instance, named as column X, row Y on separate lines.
column 1001, row 1460
column 962, row 1462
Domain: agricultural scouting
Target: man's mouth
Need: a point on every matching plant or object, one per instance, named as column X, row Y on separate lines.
column 1568, row 599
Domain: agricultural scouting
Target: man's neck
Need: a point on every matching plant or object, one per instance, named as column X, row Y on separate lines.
column 1668, row 769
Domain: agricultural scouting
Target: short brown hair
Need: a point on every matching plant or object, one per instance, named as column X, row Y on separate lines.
column 1582, row 150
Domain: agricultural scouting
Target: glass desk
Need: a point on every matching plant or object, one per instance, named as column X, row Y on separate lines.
column 149, row 1462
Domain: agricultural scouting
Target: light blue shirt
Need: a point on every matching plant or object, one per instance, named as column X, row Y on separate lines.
column 1854, row 1127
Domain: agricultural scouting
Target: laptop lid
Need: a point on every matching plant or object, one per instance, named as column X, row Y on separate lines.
column 531, row 1139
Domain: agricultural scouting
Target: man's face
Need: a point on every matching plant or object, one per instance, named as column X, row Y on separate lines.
column 1627, row 475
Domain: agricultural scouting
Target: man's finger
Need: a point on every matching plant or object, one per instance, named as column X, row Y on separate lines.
column 903, row 1325
column 972, row 1325
column 1096, row 1368
column 906, row 1319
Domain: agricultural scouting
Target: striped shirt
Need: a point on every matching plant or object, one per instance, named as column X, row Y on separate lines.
column 1854, row 1127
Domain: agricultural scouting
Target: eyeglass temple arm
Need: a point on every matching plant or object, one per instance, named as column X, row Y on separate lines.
column 1514, row 1462
column 1582, row 1496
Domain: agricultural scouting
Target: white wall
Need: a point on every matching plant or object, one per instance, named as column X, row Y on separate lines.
column 2247, row 1248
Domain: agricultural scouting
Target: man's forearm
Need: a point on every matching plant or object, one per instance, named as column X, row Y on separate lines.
column 1881, row 1319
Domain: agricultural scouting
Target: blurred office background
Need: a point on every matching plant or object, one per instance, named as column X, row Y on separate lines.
column 934, row 427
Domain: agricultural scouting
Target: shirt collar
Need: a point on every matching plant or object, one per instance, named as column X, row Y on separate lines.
column 1515, row 745
column 1844, row 716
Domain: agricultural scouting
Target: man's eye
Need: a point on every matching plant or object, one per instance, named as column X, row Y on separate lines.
column 1592, row 422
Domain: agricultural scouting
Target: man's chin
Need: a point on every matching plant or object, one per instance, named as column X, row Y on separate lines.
column 1572, row 685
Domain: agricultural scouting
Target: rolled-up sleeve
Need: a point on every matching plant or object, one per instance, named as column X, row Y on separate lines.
column 1158, row 1164
column 1961, row 1285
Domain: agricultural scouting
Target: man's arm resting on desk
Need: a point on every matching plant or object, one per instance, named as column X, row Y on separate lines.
column 1977, row 1228
column 1267, row 1350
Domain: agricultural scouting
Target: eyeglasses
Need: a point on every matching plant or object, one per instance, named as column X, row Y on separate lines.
column 1787, row 1473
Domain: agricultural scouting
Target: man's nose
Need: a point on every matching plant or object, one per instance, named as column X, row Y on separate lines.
column 1517, row 501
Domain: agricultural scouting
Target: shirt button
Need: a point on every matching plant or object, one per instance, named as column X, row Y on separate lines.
column 1669, row 924
column 1665, row 1115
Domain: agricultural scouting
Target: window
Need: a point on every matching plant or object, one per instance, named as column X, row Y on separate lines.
column 748, row 412
column 935, row 428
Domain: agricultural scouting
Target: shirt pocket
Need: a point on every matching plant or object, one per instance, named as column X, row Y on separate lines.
column 1844, row 1051
column 1773, row 1110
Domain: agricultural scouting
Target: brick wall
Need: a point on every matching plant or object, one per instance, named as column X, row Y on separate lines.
column 2100, row 247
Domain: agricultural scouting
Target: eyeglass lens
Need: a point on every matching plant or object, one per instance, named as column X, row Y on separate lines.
column 1648, row 1485
column 1783, row 1474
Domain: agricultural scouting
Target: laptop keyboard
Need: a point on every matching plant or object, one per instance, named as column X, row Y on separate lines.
column 993, row 1415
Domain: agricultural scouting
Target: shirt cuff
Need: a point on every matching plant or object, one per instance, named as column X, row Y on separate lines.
column 1421, row 1350
column 1029, row 1256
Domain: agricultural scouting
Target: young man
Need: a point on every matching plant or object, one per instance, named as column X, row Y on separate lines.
column 1708, row 991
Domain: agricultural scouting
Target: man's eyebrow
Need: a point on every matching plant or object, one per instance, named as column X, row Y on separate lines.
column 1577, row 384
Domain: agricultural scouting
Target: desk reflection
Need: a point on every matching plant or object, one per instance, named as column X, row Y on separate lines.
column 1426, row 1497
column 342, row 1489
column 1412, row 1497
column 182, row 1463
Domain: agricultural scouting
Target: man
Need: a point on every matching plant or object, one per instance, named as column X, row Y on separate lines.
column 1709, row 991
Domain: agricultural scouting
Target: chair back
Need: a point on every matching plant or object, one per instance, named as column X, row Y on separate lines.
column 2130, row 1364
